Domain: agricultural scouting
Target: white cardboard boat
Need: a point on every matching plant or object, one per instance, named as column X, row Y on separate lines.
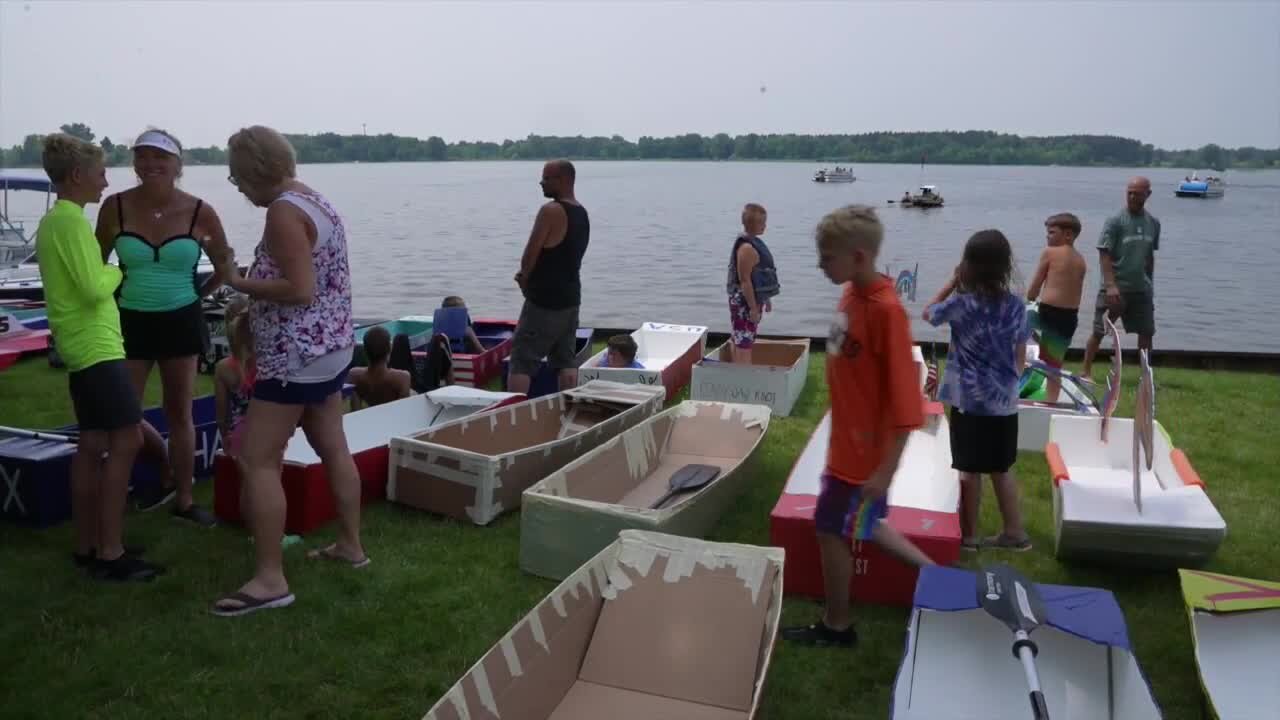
column 775, row 376
column 1235, row 625
column 572, row 514
column 1034, row 414
column 958, row 663
column 1123, row 492
column 477, row 468
column 667, row 352
column 653, row 627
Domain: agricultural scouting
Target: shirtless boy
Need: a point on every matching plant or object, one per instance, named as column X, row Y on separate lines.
column 1058, row 284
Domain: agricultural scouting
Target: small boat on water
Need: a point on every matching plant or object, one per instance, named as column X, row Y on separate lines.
column 838, row 175
column 1194, row 187
column 928, row 197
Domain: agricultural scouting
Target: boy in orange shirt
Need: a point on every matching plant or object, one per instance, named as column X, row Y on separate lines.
column 875, row 404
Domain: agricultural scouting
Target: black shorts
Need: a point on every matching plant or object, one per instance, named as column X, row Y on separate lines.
column 1060, row 321
column 543, row 333
column 163, row 335
column 983, row 443
column 104, row 397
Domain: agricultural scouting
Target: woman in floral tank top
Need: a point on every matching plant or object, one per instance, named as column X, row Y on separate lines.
column 300, row 287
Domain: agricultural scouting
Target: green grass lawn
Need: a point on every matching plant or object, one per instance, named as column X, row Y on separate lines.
column 387, row 641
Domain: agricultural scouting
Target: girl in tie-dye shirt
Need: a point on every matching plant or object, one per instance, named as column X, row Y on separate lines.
column 989, row 332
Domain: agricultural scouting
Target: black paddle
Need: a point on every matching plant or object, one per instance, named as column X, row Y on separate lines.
column 689, row 477
column 1014, row 601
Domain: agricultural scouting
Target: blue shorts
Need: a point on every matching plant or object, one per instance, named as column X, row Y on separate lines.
column 298, row 393
column 842, row 511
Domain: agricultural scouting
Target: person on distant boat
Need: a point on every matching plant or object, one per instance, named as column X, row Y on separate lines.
column 303, row 338
column 1127, row 255
column 378, row 383
column 906, row 197
column 752, row 281
column 158, row 233
column 1060, row 274
column 621, row 353
column 550, row 278
column 470, row 341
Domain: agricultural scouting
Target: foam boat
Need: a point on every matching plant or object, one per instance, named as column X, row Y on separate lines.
column 774, row 378
column 666, row 352
column 653, row 626
column 1235, row 626
column 958, row 663
column 368, row 431
column 923, row 505
column 476, row 468
column 1123, row 492
column 572, row 514
column 546, row 381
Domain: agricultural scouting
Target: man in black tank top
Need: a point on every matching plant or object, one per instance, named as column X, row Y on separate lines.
column 550, row 278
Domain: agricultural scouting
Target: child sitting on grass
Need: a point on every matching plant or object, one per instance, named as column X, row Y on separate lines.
column 378, row 383
column 621, row 353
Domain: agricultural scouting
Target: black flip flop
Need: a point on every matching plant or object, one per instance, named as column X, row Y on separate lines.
column 250, row 604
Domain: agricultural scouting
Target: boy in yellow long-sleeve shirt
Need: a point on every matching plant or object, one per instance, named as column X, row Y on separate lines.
column 79, row 290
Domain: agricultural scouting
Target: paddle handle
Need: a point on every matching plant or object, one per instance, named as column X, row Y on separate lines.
column 34, row 435
column 1026, row 650
column 662, row 499
column 1038, row 709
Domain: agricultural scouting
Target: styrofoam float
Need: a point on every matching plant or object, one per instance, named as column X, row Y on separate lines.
column 476, row 468
column 368, row 431
column 572, row 514
column 1123, row 492
column 958, row 663
column 923, row 505
column 653, row 627
column 775, row 376
column 667, row 352
column 1235, row 625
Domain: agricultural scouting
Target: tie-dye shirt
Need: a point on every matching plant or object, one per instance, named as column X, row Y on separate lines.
column 981, row 377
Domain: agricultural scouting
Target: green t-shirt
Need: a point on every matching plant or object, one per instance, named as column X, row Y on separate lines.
column 79, row 288
column 1131, row 241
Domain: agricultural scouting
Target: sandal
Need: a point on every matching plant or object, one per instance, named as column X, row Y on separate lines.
column 330, row 553
column 1008, row 542
column 249, row 603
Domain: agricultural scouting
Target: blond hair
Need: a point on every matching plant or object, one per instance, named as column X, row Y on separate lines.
column 851, row 227
column 753, row 210
column 239, row 332
column 261, row 157
column 64, row 153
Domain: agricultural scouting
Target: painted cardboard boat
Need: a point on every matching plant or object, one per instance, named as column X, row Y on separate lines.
column 1122, row 492
column 1235, row 626
column 958, row 663
column 775, row 377
column 572, row 514
column 923, row 505
column 546, row 381
column 667, row 352
column 17, row 339
column 477, row 468
column 654, row 626
column 479, row 369
column 306, row 485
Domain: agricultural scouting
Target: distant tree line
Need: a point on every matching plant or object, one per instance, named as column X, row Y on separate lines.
column 973, row 147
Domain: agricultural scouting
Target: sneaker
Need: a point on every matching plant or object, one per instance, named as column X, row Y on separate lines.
column 1008, row 542
column 126, row 568
column 153, row 498
column 819, row 635
column 196, row 514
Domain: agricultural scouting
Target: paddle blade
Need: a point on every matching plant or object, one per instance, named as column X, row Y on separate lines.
column 1010, row 598
column 687, row 479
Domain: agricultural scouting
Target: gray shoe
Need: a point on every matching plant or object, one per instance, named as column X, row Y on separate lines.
column 197, row 515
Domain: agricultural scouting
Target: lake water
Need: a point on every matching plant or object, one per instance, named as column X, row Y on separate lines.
column 661, row 233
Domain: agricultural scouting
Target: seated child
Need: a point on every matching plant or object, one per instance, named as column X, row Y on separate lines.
column 233, row 379
column 470, row 341
column 621, row 353
column 378, row 383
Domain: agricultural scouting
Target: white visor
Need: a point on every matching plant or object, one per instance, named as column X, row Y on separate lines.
column 158, row 140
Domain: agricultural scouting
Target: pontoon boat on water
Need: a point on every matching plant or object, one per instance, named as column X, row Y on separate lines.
column 1194, row 187
column 839, row 175
column 927, row 198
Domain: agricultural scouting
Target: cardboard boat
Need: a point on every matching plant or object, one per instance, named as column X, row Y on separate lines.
column 654, row 626
column 923, row 502
column 306, row 485
column 546, row 381
column 1235, row 626
column 1122, row 492
column 417, row 327
column 775, row 376
column 476, row 469
column 572, row 514
column 667, row 352
column 1035, row 412
column 958, row 663
column 479, row 369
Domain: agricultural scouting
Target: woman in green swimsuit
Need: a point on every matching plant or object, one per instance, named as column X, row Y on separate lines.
column 158, row 234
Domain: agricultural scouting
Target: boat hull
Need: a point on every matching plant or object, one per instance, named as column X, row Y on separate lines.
column 667, row 352
column 775, row 378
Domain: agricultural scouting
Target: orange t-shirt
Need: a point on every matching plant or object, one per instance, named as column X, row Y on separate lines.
column 873, row 379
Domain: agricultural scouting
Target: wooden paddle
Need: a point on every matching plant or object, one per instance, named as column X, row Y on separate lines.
column 687, row 478
column 1014, row 601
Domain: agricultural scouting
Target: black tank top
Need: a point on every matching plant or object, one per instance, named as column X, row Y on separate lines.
column 555, row 283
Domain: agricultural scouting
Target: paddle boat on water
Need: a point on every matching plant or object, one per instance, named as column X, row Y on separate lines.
column 928, row 197
column 1193, row 186
column 665, row 353
column 838, row 175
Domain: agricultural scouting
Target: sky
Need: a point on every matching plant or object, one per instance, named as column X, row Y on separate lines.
column 1175, row 74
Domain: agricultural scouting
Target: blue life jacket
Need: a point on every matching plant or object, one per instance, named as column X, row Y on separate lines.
column 764, row 276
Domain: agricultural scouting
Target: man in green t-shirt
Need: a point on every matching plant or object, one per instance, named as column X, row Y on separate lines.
column 1127, row 253
column 79, row 292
